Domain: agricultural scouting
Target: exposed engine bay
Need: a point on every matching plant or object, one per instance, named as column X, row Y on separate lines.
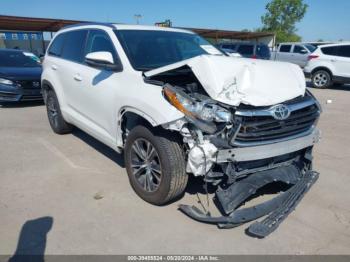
column 241, row 148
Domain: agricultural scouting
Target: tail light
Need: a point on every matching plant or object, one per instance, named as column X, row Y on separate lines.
column 312, row 57
column 254, row 57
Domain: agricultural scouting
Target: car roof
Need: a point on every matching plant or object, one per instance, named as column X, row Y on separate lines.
column 337, row 44
column 125, row 27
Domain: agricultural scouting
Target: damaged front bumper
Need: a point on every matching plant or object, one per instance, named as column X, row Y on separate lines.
column 276, row 209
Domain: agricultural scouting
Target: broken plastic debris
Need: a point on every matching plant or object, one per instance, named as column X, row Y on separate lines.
column 98, row 196
column 329, row 101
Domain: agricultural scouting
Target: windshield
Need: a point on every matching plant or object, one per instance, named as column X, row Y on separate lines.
column 147, row 49
column 310, row 47
column 17, row 59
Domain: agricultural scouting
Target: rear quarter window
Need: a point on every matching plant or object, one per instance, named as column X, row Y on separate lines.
column 344, row 51
column 56, row 46
column 331, row 50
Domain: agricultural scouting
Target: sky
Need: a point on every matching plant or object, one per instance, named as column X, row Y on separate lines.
column 328, row 20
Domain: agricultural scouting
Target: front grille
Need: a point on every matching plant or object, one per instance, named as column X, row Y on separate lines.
column 257, row 129
column 29, row 84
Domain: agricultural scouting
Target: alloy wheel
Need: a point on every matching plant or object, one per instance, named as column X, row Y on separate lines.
column 52, row 111
column 320, row 79
column 145, row 164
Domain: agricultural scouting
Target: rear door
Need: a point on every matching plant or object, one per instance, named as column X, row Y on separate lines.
column 343, row 61
column 72, row 59
column 284, row 53
column 98, row 88
column 300, row 55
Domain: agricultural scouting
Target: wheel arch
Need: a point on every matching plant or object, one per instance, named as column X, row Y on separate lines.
column 322, row 68
column 128, row 118
column 46, row 86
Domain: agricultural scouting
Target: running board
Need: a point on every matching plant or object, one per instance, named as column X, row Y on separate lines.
column 277, row 208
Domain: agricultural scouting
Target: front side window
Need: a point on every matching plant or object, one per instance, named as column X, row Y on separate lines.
column 148, row 49
column 99, row 41
column 73, row 48
column 17, row 59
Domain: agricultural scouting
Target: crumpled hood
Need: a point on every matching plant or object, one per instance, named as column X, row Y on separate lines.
column 237, row 80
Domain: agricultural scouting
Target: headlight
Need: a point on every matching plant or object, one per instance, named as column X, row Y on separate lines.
column 200, row 110
column 6, row 82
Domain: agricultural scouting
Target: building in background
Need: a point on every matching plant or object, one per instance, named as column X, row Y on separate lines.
column 34, row 34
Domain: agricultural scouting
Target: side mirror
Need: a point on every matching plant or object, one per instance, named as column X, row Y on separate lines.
column 102, row 60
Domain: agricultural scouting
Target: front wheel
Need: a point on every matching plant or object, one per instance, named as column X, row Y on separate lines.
column 155, row 165
column 321, row 79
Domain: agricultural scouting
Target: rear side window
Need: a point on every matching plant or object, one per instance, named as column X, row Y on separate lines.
column 246, row 49
column 74, row 43
column 285, row 48
column 331, row 50
column 56, row 46
column 344, row 51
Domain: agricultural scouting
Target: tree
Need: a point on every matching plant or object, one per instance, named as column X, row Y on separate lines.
column 281, row 17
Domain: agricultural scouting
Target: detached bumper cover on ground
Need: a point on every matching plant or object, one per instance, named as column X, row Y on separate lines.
column 276, row 209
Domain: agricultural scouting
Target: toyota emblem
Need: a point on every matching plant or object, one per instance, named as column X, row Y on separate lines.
column 280, row 112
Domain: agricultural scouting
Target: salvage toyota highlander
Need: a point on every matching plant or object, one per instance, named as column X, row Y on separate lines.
column 177, row 107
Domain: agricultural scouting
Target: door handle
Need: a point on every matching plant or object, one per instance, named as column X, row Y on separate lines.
column 77, row 77
column 54, row 67
column 333, row 60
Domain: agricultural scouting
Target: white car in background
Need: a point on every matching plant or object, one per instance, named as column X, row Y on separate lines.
column 296, row 53
column 329, row 64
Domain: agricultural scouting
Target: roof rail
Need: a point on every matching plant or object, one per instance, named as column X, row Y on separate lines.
column 88, row 23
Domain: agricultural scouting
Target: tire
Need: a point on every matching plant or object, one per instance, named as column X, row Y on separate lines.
column 321, row 79
column 57, row 123
column 162, row 177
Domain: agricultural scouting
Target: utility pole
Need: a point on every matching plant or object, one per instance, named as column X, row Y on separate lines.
column 137, row 18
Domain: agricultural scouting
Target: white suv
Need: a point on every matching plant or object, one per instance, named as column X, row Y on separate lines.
column 177, row 106
column 329, row 64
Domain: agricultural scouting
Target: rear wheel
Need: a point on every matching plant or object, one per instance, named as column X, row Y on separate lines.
column 57, row 123
column 155, row 165
column 321, row 79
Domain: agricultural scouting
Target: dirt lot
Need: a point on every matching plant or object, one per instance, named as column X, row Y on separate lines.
column 77, row 189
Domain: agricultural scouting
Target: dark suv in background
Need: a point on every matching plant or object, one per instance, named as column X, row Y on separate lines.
column 248, row 49
column 20, row 73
